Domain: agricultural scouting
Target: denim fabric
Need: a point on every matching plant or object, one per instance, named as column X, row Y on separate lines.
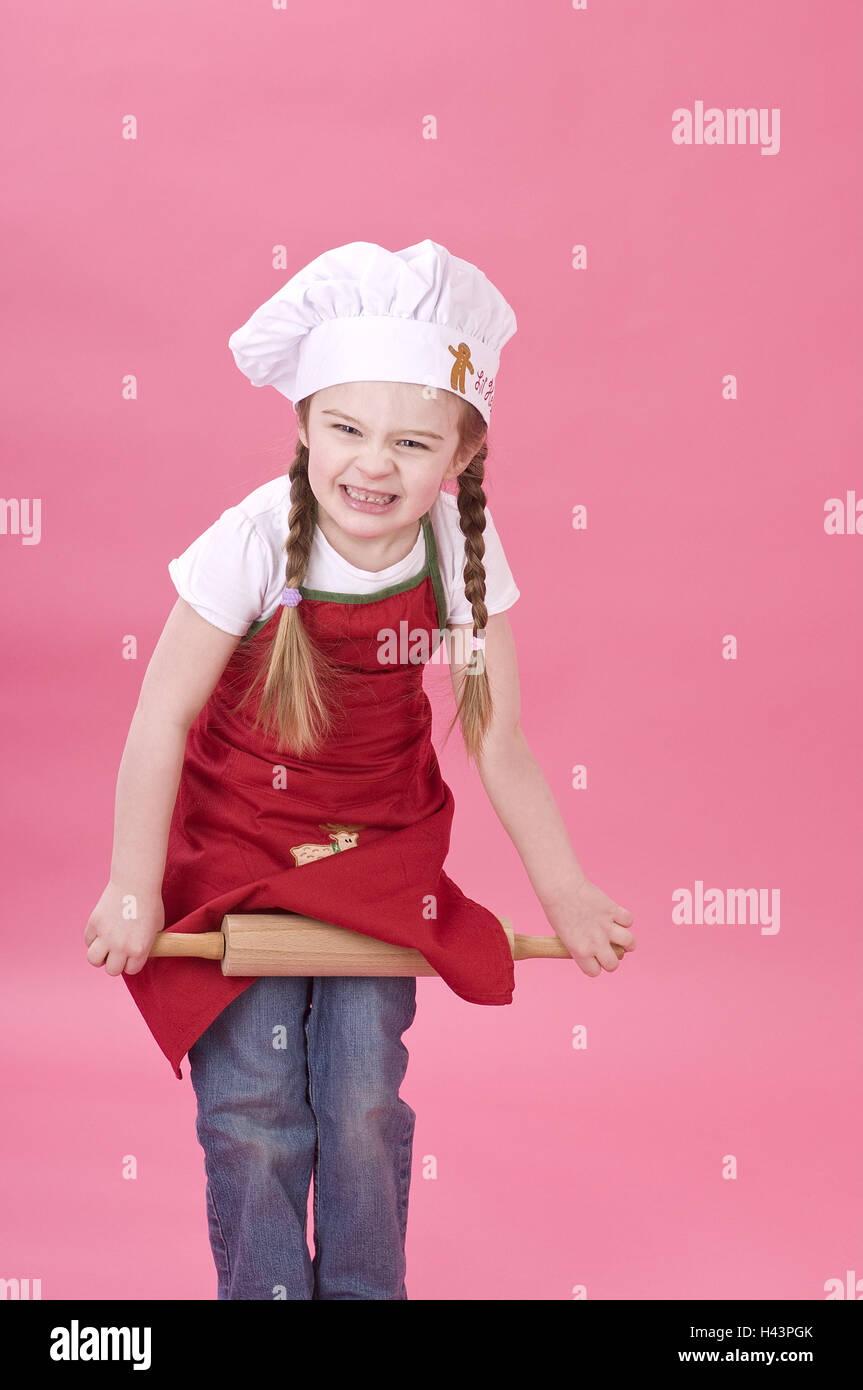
column 300, row 1077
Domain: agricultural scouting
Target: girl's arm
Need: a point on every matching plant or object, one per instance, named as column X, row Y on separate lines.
column 585, row 918
column 186, row 664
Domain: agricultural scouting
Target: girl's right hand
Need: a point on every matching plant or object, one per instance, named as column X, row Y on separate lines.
column 122, row 929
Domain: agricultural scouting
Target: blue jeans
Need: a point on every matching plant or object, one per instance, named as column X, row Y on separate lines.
column 298, row 1077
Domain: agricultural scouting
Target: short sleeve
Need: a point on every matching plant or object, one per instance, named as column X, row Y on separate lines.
column 225, row 574
column 500, row 586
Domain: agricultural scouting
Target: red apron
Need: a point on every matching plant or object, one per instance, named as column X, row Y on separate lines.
column 356, row 836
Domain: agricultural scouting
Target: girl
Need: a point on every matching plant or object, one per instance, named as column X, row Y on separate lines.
column 280, row 758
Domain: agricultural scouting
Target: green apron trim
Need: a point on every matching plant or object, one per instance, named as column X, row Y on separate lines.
column 431, row 567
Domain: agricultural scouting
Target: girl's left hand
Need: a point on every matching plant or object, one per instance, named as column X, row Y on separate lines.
column 587, row 922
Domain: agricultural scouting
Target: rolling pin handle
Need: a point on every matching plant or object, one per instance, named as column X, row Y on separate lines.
column 208, row 945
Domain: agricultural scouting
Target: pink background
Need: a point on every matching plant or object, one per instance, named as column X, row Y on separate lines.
column 260, row 127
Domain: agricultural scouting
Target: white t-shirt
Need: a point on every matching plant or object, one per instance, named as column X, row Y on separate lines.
column 234, row 573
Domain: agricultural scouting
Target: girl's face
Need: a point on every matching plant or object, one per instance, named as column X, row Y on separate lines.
column 378, row 453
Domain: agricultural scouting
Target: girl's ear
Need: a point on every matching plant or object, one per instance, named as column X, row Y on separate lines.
column 457, row 464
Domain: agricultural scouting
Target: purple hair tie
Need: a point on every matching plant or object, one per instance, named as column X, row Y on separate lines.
column 291, row 597
column 478, row 643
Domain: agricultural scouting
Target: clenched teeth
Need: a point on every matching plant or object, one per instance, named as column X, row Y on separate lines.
column 368, row 496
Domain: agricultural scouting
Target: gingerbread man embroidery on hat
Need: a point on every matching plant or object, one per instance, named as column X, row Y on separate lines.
column 462, row 362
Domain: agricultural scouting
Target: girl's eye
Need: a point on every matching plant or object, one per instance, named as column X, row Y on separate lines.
column 415, row 442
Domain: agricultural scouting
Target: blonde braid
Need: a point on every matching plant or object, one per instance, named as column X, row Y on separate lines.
column 475, row 706
column 298, row 676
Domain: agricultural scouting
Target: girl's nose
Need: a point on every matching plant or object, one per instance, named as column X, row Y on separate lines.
column 375, row 466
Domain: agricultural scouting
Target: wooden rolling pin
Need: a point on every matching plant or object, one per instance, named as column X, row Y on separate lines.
column 284, row 943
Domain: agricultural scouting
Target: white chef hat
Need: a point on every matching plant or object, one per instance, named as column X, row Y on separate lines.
column 362, row 313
